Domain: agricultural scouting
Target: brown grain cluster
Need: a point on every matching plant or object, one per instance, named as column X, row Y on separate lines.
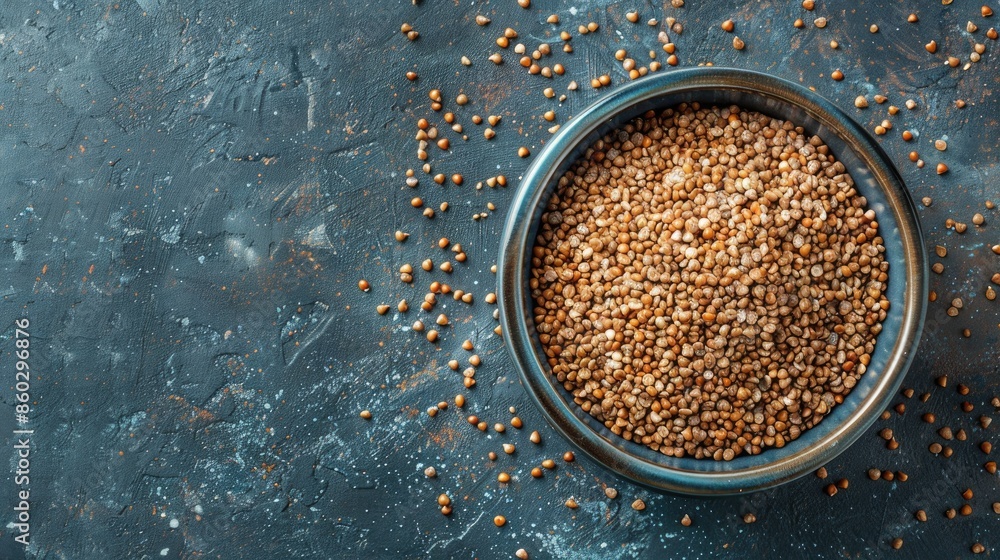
column 708, row 282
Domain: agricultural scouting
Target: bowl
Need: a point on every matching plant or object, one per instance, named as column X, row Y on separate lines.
column 874, row 177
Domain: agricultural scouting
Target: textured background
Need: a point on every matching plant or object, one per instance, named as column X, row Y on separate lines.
column 190, row 194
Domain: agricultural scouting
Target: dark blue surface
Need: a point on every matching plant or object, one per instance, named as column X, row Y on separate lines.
column 191, row 191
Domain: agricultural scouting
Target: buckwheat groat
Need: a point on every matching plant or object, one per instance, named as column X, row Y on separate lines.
column 708, row 282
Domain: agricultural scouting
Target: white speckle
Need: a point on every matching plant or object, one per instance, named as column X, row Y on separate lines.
column 18, row 250
column 239, row 249
column 174, row 523
column 201, row 259
column 311, row 108
column 198, row 509
column 573, row 10
column 173, row 235
column 317, row 237
column 164, row 552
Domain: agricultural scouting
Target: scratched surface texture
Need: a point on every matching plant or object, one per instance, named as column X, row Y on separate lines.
column 191, row 191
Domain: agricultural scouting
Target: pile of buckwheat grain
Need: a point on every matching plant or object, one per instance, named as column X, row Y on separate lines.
column 708, row 282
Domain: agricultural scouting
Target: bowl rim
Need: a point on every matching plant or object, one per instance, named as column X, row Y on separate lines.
column 535, row 377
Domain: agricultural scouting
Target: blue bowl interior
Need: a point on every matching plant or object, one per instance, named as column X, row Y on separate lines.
column 889, row 229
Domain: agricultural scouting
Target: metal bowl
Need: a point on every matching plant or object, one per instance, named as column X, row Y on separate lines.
column 875, row 178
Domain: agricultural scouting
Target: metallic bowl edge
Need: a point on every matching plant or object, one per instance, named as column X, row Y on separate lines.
column 534, row 375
